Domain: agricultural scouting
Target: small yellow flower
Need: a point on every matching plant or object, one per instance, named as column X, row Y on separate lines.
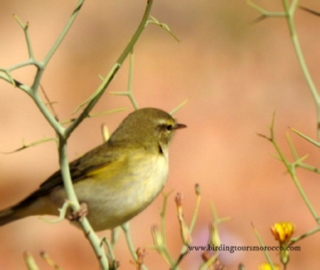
column 282, row 231
column 266, row 266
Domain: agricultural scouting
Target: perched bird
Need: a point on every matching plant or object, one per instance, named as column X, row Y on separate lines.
column 116, row 180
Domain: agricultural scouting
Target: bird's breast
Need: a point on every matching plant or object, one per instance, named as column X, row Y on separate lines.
column 116, row 195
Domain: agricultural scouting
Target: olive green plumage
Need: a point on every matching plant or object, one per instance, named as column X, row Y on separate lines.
column 117, row 179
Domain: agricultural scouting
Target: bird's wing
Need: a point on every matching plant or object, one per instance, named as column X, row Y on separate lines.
column 101, row 156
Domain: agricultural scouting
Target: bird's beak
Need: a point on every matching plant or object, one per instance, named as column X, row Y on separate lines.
column 178, row 126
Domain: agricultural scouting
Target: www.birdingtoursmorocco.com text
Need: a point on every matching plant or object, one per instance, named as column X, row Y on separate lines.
column 233, row 249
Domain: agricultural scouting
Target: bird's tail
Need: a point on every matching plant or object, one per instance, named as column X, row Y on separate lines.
column 8, row 215
column 31, row 206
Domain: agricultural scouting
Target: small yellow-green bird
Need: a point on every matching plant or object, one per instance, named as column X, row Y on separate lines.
column 116, row 180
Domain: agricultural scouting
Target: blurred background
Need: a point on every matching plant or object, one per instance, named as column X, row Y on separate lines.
column 235, row 75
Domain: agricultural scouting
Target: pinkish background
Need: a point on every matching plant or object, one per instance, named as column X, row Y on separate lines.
column 235, row 75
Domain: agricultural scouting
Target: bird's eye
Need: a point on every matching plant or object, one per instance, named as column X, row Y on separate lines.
column 169, row 127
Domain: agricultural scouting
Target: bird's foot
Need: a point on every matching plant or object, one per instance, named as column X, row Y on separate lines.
column 79, row 215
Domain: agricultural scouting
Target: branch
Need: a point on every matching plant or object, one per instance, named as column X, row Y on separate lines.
column 129, row 92
column 101, row 89
column 288, row 14
column 64, row 133
column 291, row 168
column 25, row 146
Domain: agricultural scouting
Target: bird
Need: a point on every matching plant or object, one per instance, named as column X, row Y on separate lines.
column 116, row 180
